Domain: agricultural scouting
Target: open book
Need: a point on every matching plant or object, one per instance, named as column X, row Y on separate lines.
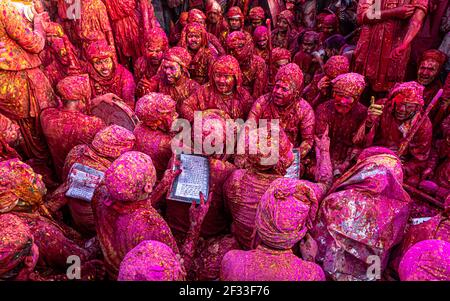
column 193, row 179
column 83, row 181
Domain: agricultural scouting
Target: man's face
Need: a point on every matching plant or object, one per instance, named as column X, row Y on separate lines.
column 404, row 110
column 104, row 67
column 282, row 24
column 238, row 50
column 428, row 70
column 256, row 23
column 283, row 93
column 194, row 40
column 154, row 54
column 343, row 102
column 225, row 83
column 171, row 70
column 261, row 43
column 328, row 29
column 279, row 64
column 235, row 23
column 213, row 17
column 308, row 44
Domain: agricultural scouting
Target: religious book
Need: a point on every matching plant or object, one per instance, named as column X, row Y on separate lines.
column 83, row 181
column 293, row 172
column 194, row 178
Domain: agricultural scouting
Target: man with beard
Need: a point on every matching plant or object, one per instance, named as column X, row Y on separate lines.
column 261, row 39
column 343, row 115
column 195, row 39
column 147, row 65
column 107, row 75
column 284, row 103
column 224, row 92
column 253, row 67
column 173, row 77
column 389, row 121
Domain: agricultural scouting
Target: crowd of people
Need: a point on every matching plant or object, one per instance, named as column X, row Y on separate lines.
column 361, row 94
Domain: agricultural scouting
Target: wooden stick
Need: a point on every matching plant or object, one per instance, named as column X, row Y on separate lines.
column 423, row 196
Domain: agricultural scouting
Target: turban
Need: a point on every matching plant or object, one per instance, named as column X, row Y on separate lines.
column 157, row 38
column 291, row 73
column 151, row 105
column 236, row 37
column 19, row 186
column 228, row 65
column 75, row 87
column 196, row 15
column 213, row 7
column 427, row 260
column 413, row 92
column 113, row 141
column 331, row 19
column 351, row 83
column 128, row 175
column 16, row 241
column 256, row 13
column 194, row 28
column 285, row 211
column 279, row 54
column 99, row 50
column 336, row 65
column 287, row 15
column 260, row 32
column 251, row 140
column 434, row 55
column 178, row 55
column 235, row 12
column 150, row 261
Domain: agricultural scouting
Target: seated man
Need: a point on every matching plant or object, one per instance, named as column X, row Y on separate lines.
column 107, row 75
column 224, row 92
column 68, row 126
column 343, row 114
column 147, row 65
column 295, row 115
column 253, row 67
column 389, row 122
column 173, row 78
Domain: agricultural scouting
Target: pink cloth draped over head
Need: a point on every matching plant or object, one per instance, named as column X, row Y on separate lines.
column 197, row 16
column 227, row 64
column 75, row 88
column 412, row 92
column 180, row 56
column 15, row 243
column 194, row 28
column 291, row 73
column 100, row 50
column 288, row 16
column 236, row 38
column 235, row 12
column 285, row 211
column 351, row 83
column 127, row 176
column 260, row 32
column 256, row 13
column 151, row 260
column 150, row 106
column 113, row 141
column 428, row 260
column 158, row 39
column 336, row 65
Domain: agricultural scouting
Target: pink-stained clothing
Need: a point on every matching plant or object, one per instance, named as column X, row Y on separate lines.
column 364, row 214
column 254, row 75
column 64, row 129
column 263, row 264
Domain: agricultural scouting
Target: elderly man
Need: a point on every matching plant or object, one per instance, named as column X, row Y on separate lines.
column 253, row 67
column 343, row 115
column 284, row 103
column 430, row 66
column 107, row 75
column 173, row 77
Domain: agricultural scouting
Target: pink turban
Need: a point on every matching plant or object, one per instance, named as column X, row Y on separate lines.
column 197, row 16
column 256, row 13
column 436, row 55
column 16, row 241
column 128, row 176
column 99, row 50
column 279, row 54
column 351, row 83
column 412, row 92
column 213, row 7
column 151, row 261
column 284, row 212
column 260, row 32
column 336, row 65
column 287, row 15
column 291, row 73
column 194, row 28
column 113, row 141
column 178, row 55
column 427, row 260
column 74, row 88
column 157, row 38
column 235, row 12
column 151, row 105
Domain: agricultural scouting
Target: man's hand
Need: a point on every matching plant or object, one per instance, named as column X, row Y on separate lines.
column 173, row 172
column 323, row 144
column 324, row 83
column 405, row 11
column 2, row 52
column 399, row 51
column 374, row 112
column 197, row 214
